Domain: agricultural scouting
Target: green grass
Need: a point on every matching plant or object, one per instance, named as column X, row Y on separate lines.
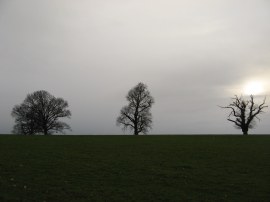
column 134, row 168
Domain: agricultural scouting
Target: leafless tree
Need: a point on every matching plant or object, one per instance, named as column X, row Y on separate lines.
column 136, row 116
column 24, row 119
column 39, row 113
column 244, row 112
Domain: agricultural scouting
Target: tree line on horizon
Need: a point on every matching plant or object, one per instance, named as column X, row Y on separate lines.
column 40, row 112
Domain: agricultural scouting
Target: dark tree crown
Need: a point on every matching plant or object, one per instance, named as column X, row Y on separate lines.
column 39, row 113
column 243, row 112
column 136, row 116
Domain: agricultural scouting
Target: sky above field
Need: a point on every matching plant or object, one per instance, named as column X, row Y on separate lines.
column 193, row 55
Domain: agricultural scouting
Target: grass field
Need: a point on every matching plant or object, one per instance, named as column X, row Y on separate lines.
column 134, row 168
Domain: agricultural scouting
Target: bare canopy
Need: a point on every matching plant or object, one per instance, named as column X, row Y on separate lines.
column 244, row 112
column 136, row 116
column 39, row 113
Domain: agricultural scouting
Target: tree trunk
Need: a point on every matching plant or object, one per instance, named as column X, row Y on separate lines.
column 45, row 131
column 245, row 131
column 136, row 125
column 136, row 131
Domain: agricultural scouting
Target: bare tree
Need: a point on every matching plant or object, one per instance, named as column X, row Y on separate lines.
column 244, row 112
column 39, row 113
column 24, row 119
column 136, row 116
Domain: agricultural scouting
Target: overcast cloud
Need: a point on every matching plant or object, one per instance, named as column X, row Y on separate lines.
column 192, row 54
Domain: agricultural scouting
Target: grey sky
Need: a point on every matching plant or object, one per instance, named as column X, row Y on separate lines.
column 192, row 54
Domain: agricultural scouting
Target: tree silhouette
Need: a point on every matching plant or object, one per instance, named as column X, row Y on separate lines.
column 244, row 112
column 136, row 116
column 39, row 113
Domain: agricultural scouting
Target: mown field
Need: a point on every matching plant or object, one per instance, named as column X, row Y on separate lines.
column 134, row 168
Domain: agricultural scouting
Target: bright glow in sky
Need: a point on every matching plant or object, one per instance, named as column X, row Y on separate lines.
column 194, row 55
column 254, row 88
